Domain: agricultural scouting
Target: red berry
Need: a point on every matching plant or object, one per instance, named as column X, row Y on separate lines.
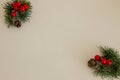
column 13, row 14
column 14, row 5
column 18, row 3
column 22, row 9
column 97, row 57
column 109, row 62
column 26, row 6
column 15, row 8
column 103, row 61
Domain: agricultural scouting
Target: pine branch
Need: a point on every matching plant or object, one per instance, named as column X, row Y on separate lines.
column 22, row 17
column 112, row 71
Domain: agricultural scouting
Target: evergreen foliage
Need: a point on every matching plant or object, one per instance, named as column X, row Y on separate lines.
column 22, row 17
column 112, row 71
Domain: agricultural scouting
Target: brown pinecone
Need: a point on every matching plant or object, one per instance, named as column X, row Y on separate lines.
column 17, row 23
column 92, row 63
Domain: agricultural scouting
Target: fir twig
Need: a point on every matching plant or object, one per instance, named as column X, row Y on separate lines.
column 112, row 71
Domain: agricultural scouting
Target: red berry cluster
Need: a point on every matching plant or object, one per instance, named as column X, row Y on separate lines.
column 103, row 61
column 18, row 6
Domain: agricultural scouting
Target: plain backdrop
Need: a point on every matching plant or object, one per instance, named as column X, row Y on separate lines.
column 60, row 38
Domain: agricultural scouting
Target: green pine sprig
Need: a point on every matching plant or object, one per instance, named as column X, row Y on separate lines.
column 22, row 17
column 112, row 71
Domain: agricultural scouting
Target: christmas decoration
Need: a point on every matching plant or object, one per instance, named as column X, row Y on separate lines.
column 97, row 57
column 107, row 65
column 109, row 62
column 13, row 14
column 92, row 63
column 17, row 12
column 22, row 9
column 17, row 23
column 103, row 61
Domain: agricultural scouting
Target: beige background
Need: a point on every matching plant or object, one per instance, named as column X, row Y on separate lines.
column 59, row 40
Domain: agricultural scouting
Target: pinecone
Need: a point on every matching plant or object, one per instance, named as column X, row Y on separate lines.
column 92, row 63
column 17, row 23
